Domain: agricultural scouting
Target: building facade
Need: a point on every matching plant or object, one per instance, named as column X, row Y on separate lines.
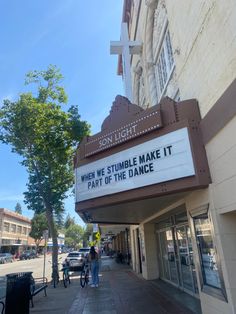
column 14, row 232
column 178, row 201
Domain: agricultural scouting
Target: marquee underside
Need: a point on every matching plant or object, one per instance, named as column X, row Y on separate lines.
column 133, row 212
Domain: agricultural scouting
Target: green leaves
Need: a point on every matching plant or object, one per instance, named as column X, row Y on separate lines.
column 38, row 225
column 74, row 236
column 47, row 84
column 45, row 136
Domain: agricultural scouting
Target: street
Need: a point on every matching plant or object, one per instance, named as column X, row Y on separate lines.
column 35, row 265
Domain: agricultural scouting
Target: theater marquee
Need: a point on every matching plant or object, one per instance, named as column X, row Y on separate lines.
column 165, row 158
column 139, row 161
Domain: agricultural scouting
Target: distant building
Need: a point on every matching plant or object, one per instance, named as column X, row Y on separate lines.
column 60, row 241
column 14, row 231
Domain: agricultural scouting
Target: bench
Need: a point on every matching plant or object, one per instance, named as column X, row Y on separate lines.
column 37, row 285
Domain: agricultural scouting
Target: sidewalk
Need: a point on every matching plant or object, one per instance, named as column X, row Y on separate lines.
column 120, row 292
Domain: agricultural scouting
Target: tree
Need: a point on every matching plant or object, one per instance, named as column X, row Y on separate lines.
column 45, row 136
column 88, row 231
column 38, row 226
column 74, row 236
column 69, row 221
column 18, row 209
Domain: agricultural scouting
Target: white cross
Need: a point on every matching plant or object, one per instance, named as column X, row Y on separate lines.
column 125, row 47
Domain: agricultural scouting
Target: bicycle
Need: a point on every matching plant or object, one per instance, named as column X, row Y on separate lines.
column 65, row 274
column 84, row 276
column 55, row 275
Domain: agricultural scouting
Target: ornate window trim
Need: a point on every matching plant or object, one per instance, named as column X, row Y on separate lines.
column 164, row 62
column 138, row 89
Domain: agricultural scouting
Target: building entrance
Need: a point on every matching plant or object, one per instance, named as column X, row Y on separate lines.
column 176, row 253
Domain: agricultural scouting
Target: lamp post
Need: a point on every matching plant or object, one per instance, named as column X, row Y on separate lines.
column 45, row 236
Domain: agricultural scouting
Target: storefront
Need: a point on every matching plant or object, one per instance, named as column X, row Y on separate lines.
column 134, row 172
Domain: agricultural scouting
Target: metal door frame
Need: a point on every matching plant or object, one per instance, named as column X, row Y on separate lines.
column 179, row 285
column 185, row 225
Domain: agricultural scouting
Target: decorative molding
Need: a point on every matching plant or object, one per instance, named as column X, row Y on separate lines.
column 138, row 69
column 151, row 3
column 159, row 26
column 146, row 123
column 149, row 54
column 138, row 72
column 149, row 65
column 120, row 112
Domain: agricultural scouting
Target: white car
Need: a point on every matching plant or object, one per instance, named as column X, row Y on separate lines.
column 6, row 258
column 75, row 260
column 85, row 251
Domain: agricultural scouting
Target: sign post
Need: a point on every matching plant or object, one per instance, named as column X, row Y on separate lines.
column 45, row 236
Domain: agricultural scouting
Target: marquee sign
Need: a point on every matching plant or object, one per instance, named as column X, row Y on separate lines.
column 144, row 124
column 161, row 159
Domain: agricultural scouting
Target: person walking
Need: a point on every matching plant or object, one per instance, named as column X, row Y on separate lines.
column 93, row 259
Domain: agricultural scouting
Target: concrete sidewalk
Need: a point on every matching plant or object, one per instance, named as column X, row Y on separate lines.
column 120, row 291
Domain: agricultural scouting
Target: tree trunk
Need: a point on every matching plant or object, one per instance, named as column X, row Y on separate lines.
column 37, row 243
column 53, row 233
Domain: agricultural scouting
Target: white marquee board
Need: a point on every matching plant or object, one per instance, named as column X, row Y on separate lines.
column 162, row 159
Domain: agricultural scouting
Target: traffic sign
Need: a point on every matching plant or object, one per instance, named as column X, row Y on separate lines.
column 97, row 236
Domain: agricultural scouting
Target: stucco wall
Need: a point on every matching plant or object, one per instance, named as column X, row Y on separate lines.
column 203, row 34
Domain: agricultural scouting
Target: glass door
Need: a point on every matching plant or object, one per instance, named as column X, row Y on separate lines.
column 185, row 259
column 168, row 257
column 176, row 257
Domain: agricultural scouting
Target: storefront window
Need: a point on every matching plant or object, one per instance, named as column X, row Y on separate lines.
column 165, row 223
column 211, row 275
column 207, row 251
column 13, row 228
column 6, row 226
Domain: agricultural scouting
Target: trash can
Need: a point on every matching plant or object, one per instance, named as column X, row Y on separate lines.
column 18, row 293
column 3, row 284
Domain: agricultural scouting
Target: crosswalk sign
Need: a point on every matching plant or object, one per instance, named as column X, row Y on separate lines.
column 97, row 236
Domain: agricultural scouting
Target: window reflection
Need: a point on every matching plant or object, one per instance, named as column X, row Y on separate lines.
column 207, row 251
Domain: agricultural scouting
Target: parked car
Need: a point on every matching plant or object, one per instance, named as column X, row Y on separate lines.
column 6, row 258
column 28, row 254
column 75, row 260
column 85, row 251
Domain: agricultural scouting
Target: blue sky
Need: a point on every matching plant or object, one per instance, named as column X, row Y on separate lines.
column 75, row 36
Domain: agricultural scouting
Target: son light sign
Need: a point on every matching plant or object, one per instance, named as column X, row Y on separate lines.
column 165, row 158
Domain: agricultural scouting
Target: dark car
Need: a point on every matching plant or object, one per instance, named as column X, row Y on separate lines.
column 28, row 255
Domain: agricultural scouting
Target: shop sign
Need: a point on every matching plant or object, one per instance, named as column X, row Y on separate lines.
column 161, row 159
